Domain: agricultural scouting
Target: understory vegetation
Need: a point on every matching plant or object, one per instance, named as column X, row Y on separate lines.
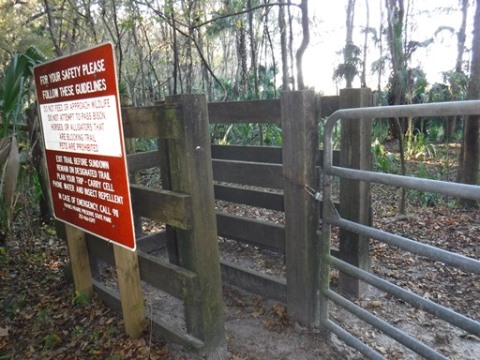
column 42, row 316
column 239, row 51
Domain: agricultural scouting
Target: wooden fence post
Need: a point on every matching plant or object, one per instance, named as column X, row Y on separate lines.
column 300, row 149
column 355, row 201
column 77, row 249
column 130, row 288
column 190, row 163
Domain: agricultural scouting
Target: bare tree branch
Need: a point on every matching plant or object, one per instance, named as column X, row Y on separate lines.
column 303, row 45
column 247, row 10
column 191, row 38
column 51, row 29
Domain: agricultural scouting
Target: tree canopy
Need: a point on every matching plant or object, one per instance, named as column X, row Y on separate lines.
column 253, row 49
column 232, row 49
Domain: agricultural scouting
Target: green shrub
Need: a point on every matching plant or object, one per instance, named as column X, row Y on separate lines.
column 383, row 161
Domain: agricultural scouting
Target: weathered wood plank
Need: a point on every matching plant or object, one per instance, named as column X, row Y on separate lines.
column 152, row 242
column 260, row 111
column 169, row 167
column 267, row 200
column 191, row 173
column 166, row 206
column 109, row 296
column 261, row 154
column 159, row 327
column 172, row 279
column 131, row 293
column 355, row 195
column 335, row 158
column 78, row 251
column 248, row 173
column 328, row 105
column 164, row 330
column 256, row 232
column 300, row 144
column 143, row 160
column 254, row 282
column 264, row 154
column 150, row 122
column 100, row 249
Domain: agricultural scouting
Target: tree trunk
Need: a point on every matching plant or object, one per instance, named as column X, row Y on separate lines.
column 395, row 14
column 290, row 43
column 189, row 72
column 380, row 42
column 144, row 98
column 395, row 25
column 461, row 37
column 51, row 29
column 39, row 163
column 242, row 60
column 283, row 46
column 304, row 44
column 253, row 50
column 363, row 77
column 176, row 64
column 347, row 51
column 470, row 161
column 272, row 52
column 118, row 44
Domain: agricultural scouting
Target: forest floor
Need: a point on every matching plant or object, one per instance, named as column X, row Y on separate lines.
column 42, row 318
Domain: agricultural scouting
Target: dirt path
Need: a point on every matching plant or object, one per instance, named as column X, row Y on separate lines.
column 41, row 317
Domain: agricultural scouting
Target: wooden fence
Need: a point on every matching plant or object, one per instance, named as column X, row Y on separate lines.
column 285, row 173
column 287, row 170
column 186, row 205
column 193, row 174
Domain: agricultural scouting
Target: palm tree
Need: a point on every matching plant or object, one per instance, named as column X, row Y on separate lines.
column 16, row 85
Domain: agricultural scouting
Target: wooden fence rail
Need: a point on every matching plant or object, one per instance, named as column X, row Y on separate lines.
column 275, row 172
column 277, row 175
column 186, row 204
column 193, row 174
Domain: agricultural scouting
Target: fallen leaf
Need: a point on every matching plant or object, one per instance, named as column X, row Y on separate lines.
column 3, row 332
column 376, row 304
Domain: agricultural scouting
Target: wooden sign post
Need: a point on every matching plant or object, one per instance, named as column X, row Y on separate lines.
column 81, row 123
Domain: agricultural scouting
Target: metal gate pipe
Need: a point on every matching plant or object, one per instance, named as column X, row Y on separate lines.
column 437, row 186
column 352, row 341
column 429, row 306
column 431, row 252
column 331, row 217
column 448, row 108
column 385, row 327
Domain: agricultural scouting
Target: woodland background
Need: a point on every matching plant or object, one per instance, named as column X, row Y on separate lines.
column 233, row 50
column 244, row 50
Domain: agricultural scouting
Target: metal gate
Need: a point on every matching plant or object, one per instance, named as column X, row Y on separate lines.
column 331, row 217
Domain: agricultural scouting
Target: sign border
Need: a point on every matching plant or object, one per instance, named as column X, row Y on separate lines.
column 122, row 146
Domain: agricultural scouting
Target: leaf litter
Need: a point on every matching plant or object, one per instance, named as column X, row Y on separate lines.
column 43, row 318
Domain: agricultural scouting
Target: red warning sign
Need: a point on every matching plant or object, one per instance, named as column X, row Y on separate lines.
column 81, row 122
